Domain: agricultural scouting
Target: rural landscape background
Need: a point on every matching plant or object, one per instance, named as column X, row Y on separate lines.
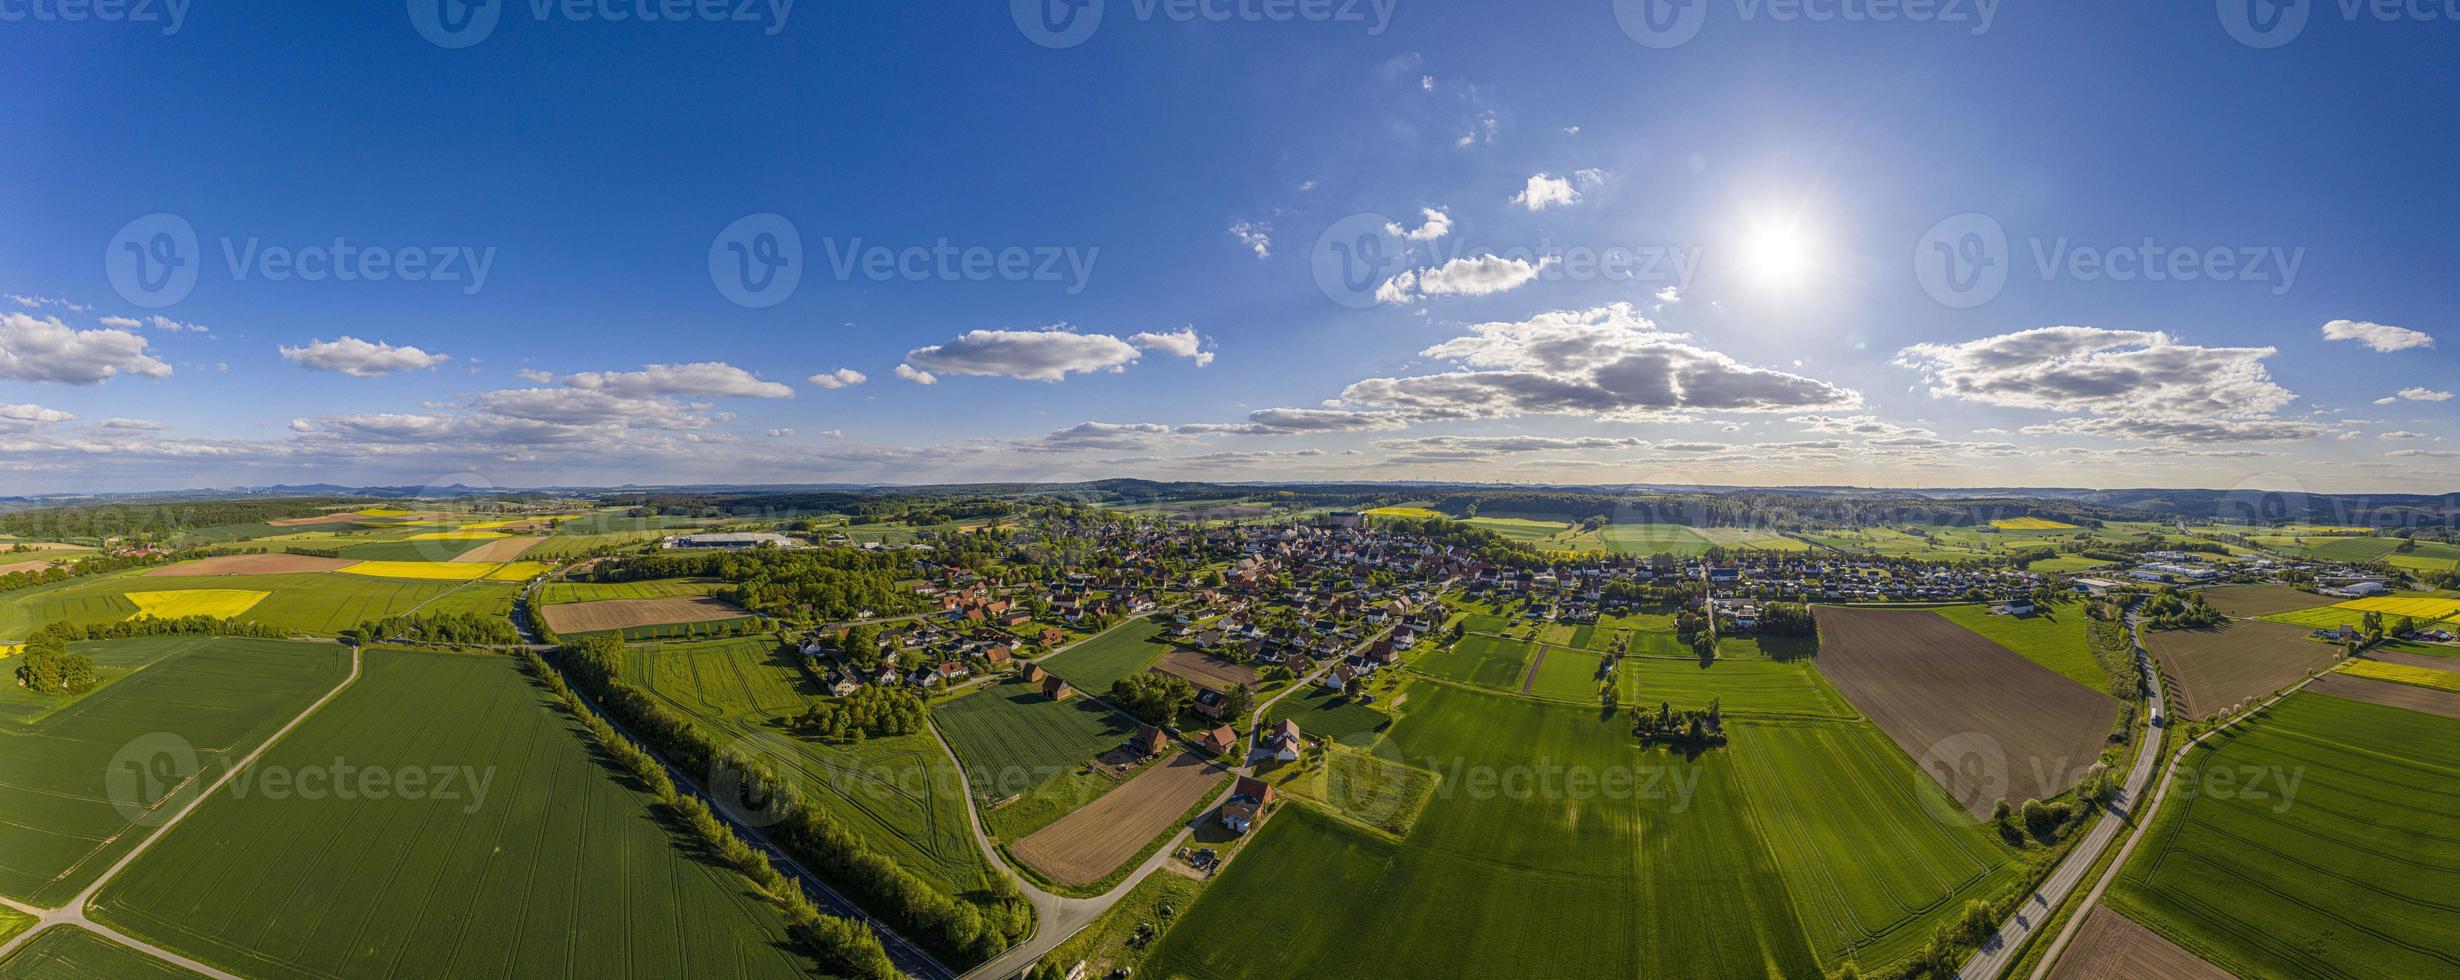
column 1228, row 489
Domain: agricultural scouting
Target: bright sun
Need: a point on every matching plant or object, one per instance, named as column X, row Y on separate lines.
column 1779, row 254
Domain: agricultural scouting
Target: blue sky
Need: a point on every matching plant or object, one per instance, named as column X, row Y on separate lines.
column 1713, row 261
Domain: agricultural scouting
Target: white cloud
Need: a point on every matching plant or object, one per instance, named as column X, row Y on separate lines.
column 359, row 358
column 1258, row 237
column 2146, row 385
column 46, row 350
column 2376, row 336
column 1183, row 342
column 169, row 325
column 302, row 425
column 535, row 376
column 2402, row 436
column 121, row 322
column 1545, row 191
column 1107, row 436
column 1026, row 355
column 907, row 372
column 1436, row 225
column 1670, row 295
column 707, row 379
column 134, row 425
column 1484, row 275
column 781, row 433
column 840, row 378
column 1299, row 421
column 2418, row 395
column 19, row 417
column 834, row 434
column 1607, row 363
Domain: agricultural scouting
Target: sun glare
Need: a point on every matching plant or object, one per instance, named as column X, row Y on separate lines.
column 1779, row 254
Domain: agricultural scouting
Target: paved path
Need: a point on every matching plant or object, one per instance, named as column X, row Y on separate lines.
column 74, row 913
column 1999, row 952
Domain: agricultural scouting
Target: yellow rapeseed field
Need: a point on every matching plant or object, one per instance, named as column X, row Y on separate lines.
column 2031, row 524
column 2441, row 680
column 2415, row 608
column 217, row 603
column 439, row 570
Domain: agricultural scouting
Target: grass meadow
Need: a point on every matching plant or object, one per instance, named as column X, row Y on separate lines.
column 562, row 867
column 318, row 603
column 1016, row 742
column 2053, row 638
column 1094, row 664
column 2349, row 872
column 70, row 953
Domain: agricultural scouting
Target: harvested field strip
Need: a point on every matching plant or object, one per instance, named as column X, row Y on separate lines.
column 1528, row 681
column 503, row 549
column 2240, row 601
column 2351, row 873
column 217, row 603
column 2418, row 660
column 249, row 565
column 1208, row 670
column 1873, row 852
column 1926, row 681
column 2214, row 669
column 1741, row 687
column 2431, row 678
column 1087, row 845
column 443, row 571
column 2112, row 945
column 577, row 618
column 2428, row 700
column 217, row 696
column 561, row 869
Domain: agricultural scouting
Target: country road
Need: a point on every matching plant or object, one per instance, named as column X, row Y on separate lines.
column 2000, row 951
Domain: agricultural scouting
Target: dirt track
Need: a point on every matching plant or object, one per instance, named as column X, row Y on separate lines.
column 249, row 565
column 615, row 614
column 1979, row 718
column 2242, row 661
column 2112, row 945
column 2428, row 700
column 1083, row 847
column 505, row 550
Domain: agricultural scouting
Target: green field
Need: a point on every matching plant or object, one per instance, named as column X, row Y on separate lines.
column 70, row 953
column 1568, row 675
column 1664, row 875
column 559, row 868
column 316, row 603
column 1094, row 664
column 2351, row 874
column 2066, row 563
column 1016, row 742
column 2354, row 549
column 216, row 697
column 1742, row 687
column 1485, row 661
column 568, row 544
column 901, row 794
column 560, row 592
column 2053, row 638
column 1874, row 853
column 1322, row 713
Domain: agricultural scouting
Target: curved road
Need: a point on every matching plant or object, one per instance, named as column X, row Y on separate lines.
column 1999, row 952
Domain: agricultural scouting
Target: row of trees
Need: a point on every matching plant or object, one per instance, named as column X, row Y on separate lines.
column 843, row 946
column 48, row 666
column 811, row 584
column 437, row 629
column 969, row 928
column 1692, row 728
